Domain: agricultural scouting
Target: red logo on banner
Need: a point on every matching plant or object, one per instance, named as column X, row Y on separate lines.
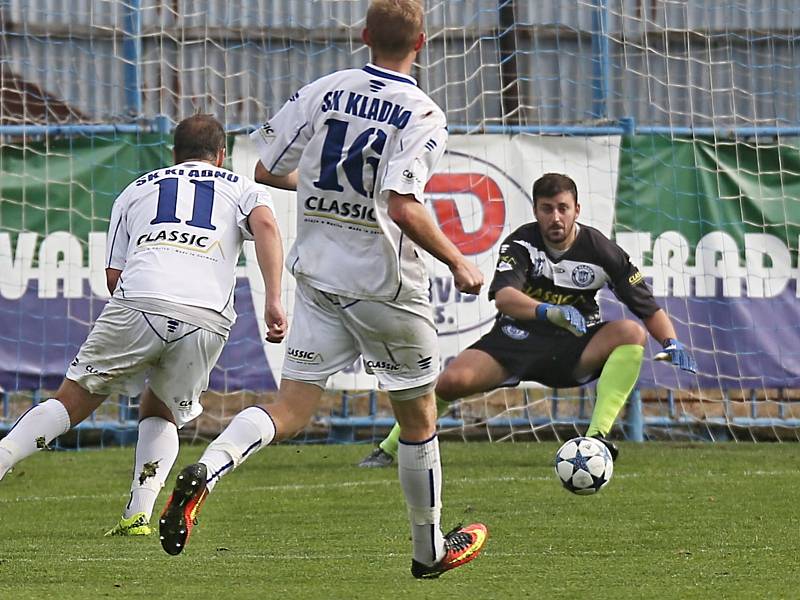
column 486, row 190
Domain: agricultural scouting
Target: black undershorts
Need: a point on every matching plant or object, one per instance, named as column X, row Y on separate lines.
column 547, row 358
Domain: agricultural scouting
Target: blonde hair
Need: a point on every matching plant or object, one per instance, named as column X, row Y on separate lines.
column 394, row 26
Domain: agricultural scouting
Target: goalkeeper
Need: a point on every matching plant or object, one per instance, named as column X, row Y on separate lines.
column 548, row 326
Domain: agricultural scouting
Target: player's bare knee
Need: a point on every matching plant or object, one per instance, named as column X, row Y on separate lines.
column 449, row 386
column 630, row 332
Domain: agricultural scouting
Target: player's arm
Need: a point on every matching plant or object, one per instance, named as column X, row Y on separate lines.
column 280, row 141
column 284, row 182
column 518, row 305
column 269, row 253
column 413, row 220
column 629, row 286
column 510, row 277
column 117, row 240
column 663, row 331
column 112, row 278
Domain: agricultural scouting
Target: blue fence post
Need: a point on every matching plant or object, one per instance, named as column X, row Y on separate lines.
column 601, row 60
column 132, row 54
column 635, row 417
column 582, row 404
column 554, row 404
column 628, row 125
column 162, row 124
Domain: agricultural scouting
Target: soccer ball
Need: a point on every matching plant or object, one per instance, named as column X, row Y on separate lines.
column 584, row 465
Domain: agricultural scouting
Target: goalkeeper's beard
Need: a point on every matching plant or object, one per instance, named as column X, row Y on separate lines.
column 559, row 235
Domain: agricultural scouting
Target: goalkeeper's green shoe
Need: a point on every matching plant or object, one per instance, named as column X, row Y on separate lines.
column 138, row 524
column 612, row 447
column 461, row 545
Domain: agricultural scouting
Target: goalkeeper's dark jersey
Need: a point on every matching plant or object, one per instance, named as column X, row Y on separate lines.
column 592, row 262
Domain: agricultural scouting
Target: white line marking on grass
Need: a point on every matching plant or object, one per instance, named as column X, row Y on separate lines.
column 238, row 556
column 301, row 487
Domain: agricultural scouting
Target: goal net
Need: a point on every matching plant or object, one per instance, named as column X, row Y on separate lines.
column 678, row 120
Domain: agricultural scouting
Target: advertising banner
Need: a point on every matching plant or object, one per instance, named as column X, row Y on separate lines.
column 714, row 227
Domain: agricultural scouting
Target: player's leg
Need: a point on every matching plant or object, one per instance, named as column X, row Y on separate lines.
column 322, row 347
column 256, row 427
column 111, row 359
column 401, row 338
column 43, row 423
column 180, row 374
column 615, row 352
column 317, row 347
column 156, row 450
column 471, row 372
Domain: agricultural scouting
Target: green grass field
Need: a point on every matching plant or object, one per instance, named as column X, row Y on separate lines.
column 676, row 521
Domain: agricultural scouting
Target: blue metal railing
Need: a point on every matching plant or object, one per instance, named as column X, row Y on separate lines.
column 344, row 424
column 623, row 126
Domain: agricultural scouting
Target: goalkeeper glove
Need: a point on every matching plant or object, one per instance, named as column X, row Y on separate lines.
column 567, row 317
column 677, row 354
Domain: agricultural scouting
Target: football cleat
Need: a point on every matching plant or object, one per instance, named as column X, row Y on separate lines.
column 461, row 545
column 180, row 513
column 377, row 459
column 137, row 524
column 612, row 447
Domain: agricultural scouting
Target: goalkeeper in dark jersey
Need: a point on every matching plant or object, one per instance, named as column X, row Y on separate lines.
column 548, row 326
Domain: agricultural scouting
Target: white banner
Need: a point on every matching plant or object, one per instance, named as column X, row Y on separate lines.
column 479, row 194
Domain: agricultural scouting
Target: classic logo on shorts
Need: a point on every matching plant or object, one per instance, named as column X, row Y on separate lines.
column 514, row 332
column 583, row 275
column 307, row 357
column 381, row 366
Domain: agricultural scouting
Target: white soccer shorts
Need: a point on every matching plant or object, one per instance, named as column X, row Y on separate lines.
column 397, row 340
column 126, row 347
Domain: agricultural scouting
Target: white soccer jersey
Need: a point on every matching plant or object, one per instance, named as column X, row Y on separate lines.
column 354, row 136
column 176, row 234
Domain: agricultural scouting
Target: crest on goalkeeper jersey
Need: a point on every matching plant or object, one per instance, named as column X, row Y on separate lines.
column 188, row 220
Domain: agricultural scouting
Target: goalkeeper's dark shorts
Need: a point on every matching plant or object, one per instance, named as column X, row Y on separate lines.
column 548, row 358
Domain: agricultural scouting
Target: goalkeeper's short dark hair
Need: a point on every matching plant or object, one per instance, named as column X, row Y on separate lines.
column 199, row 136
column 552, row 184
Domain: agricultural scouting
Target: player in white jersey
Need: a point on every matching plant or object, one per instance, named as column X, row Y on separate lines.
column 174, row 240
column 358, row 146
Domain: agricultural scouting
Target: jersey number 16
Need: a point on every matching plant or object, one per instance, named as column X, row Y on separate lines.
column 353, row 161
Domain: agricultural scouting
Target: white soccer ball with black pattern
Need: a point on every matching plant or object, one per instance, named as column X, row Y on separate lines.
column 584, row 465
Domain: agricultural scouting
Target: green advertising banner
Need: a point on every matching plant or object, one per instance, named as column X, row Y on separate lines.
column 715, row 224
column 69, row 184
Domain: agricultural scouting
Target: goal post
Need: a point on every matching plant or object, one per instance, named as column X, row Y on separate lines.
column 680, row 122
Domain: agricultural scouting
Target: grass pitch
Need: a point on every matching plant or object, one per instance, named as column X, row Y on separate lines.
column 676, row 521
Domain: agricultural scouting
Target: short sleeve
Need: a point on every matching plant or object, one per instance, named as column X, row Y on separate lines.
column 628, row 284
column 255, row 195
column 416, row 156
column 118, row 237
column 280, row 141
column 512, row 268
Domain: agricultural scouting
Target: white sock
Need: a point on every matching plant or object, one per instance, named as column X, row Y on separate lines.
column 420, row 471
column 250, row 430
column 156, row 451
column 33, row 431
